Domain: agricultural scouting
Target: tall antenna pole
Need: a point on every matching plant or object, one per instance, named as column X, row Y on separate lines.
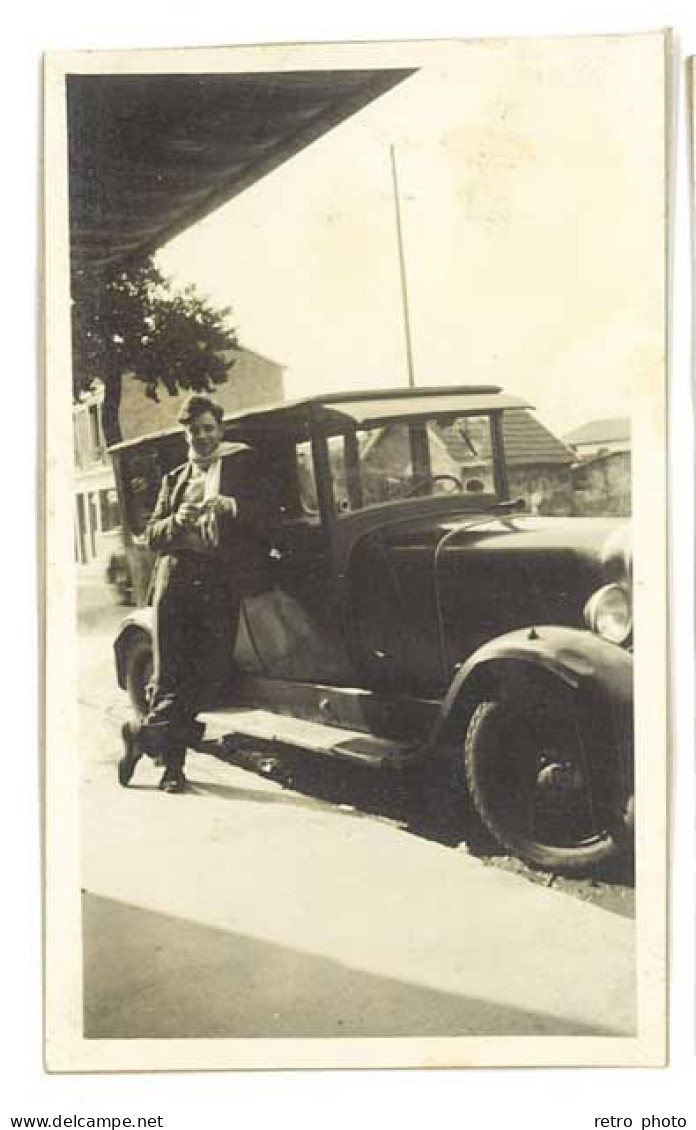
column 402, row 273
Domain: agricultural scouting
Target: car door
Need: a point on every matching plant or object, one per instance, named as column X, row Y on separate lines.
column 294, row 628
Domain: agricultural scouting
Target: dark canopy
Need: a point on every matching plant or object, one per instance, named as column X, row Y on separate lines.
column 152, row 154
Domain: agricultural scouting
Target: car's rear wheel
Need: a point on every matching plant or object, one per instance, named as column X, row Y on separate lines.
column 139, row 668
column 538, row 786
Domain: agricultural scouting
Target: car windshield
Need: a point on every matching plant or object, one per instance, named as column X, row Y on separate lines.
column 402, row 459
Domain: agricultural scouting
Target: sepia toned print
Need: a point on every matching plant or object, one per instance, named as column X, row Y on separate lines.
column 356, row 668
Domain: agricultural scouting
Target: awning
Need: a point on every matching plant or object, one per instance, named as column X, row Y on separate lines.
column 152, row 154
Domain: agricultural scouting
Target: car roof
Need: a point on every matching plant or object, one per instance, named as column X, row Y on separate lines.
column 362, row 408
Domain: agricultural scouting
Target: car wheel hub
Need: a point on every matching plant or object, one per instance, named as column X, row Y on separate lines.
column 560, row 777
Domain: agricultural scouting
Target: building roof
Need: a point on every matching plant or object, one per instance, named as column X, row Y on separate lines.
column 617, row 429
column 149, row 155
column 528, row 442
column 366, row 408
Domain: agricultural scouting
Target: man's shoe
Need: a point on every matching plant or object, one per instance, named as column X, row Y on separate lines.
column 174, row 781
column 131, row 756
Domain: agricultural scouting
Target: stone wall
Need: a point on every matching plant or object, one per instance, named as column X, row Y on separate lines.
column 546, row 490
column 602, row 485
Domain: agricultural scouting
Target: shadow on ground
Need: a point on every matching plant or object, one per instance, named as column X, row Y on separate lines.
column 156, row 976
column 432, row 805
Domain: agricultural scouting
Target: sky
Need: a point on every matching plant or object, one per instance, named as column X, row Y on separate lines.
column 532, row 196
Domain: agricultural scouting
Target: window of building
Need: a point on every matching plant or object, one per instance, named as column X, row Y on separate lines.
column 95, row 436
column 93, row 519
column 81, row 437
column 81, row 524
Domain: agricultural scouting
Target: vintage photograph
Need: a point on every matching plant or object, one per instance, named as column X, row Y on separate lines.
column 355, row 555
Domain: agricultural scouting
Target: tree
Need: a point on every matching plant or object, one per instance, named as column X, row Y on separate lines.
column 133, row 322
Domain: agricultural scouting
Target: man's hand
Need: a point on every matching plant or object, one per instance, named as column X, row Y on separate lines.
column 187, row 515
column 221, row 504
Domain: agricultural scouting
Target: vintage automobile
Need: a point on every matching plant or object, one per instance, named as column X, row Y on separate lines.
column 418, row 617
column 117, row 571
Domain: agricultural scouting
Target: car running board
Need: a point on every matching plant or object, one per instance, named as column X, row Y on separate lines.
column 351, row 745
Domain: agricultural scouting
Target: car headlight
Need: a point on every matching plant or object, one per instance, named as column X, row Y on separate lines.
column 608, row 613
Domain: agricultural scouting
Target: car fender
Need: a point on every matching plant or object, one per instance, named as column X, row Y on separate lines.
column 137, row 623
column 583, row 662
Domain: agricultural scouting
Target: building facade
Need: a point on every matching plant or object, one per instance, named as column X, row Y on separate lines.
column 96, row 502
column 602, row 474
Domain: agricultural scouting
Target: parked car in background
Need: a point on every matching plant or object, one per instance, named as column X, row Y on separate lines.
column 418, row 616
column 118, row 574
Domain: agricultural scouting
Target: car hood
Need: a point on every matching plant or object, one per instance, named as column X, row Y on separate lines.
column 602, row 543
column 492, row 574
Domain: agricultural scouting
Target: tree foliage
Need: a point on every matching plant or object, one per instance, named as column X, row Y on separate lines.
column 134, row 324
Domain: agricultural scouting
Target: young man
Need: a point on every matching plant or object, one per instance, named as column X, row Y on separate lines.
column 211, row 527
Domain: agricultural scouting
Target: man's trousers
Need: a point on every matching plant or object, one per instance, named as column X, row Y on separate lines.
column 196, row 612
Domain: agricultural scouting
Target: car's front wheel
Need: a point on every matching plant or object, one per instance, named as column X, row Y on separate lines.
column 538, row 786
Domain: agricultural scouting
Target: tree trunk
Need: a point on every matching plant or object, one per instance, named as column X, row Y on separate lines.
column 110, row 409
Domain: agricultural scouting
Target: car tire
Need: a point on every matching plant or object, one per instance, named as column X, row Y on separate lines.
column 139, row 667
column 511, row 752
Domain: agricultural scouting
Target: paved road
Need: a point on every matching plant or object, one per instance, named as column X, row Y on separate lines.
column 254, row 907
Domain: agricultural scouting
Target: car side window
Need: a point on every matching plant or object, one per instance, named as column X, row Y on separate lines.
column 306, row 481
column 339, row 474
column 143, row 477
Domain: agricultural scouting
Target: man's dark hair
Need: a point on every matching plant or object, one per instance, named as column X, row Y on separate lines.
column 197, row 404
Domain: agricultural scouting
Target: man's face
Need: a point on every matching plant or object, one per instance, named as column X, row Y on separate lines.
column 204, row 434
